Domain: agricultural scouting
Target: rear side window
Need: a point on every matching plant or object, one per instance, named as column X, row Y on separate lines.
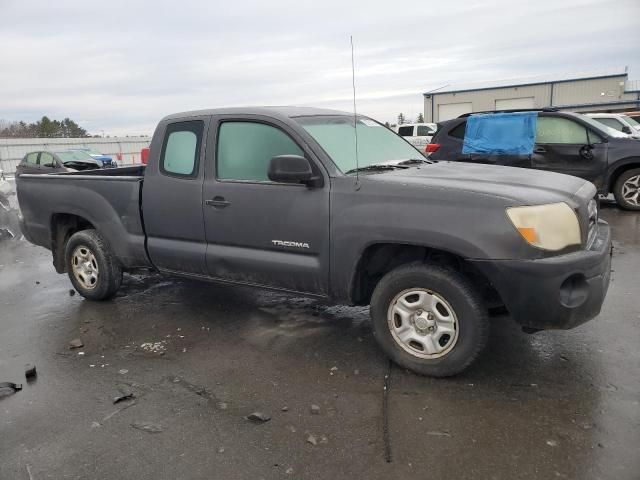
column 405, row 131
column 458, row 132
column 181, row 149
column 245, row 149
column 561, row 131
column 32, row 158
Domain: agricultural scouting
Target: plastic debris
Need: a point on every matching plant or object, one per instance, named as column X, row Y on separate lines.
column 76, row 343
column 9, row 388
column 30, row 371
column 148, row 427
column 258, row 417
column 315, row 409
column 312, row 439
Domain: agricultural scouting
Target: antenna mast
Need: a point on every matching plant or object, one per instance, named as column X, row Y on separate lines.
column 355, row 128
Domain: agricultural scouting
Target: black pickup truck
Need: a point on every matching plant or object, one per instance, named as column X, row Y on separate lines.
column 278, row 198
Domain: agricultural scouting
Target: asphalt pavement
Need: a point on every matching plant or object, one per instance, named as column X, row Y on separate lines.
column 193, row 360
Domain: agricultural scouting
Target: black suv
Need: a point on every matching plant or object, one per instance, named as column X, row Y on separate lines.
column 565, row 143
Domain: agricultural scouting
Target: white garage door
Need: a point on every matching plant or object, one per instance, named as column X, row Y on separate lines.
column 514, row 103
column 448, row 111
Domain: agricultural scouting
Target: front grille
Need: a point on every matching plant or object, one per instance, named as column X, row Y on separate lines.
column 592, row 210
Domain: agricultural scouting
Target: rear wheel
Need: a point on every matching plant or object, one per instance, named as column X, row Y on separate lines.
column 91, row 266
column 627, row 189
column 429, row 319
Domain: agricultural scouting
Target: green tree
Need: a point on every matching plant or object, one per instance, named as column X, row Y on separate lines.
column 401, row 119
column 420, row 118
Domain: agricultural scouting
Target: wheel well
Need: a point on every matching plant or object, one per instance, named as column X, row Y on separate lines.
column 63, row 225
column 379, row 259
column 619, row 171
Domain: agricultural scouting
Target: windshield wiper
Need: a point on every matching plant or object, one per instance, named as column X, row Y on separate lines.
column 374, row 167
column 414, row 161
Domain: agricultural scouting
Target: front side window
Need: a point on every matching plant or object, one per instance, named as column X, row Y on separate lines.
column 32, row 158
column 424, row 131
column 46, row 160
column 560, row 130
column 405, row 131
column 610, row 122
column 245, row 149
column 181, row 149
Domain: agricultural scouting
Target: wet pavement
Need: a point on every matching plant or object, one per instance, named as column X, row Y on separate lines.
column 200, row 357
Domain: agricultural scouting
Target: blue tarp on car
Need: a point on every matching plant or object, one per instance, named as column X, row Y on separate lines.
column 500, row 134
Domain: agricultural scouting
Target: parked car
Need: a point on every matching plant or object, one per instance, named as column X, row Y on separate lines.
column 56, row 162
column 566, row 142
column 106, row 160
column 618, row 121
column 634, row 115
column 417, row 134
column 278, row 199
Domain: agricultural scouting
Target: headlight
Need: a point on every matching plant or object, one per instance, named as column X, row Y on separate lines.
column 550, row 227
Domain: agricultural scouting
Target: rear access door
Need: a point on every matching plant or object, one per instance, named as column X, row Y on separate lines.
column 172, row 197
column 261, row 232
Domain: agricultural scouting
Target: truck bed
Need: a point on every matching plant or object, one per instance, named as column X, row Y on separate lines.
column 107, row 199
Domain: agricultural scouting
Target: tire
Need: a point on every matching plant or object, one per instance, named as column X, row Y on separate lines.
column 450, row 303
column 627, row 190
column 91, row 266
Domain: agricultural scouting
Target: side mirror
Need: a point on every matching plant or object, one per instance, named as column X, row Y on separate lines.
column 626, row 129
column 290, row 169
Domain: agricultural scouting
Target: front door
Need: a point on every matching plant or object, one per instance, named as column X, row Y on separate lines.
column 261, row 232
column 566, row 146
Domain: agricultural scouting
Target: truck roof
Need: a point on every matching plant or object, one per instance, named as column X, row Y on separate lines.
column 275, row 111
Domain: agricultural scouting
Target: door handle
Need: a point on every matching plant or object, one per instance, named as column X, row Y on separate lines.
column 539, row 150
column 218, row 202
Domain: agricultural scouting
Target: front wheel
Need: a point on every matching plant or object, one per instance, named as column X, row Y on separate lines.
column 627, row 189
column 429, row 319
column 92, row 269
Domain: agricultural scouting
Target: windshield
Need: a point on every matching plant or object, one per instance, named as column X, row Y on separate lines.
column 612, row 132
column 376, row 143
column 74, row 156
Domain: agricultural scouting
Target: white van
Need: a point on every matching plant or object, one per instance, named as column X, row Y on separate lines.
column 418, row 134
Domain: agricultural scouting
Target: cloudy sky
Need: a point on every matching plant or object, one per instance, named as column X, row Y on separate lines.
column 119, row 66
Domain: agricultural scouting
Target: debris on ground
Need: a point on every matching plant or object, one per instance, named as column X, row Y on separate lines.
column 123, row 371
column 125, row 394
column 76, row 343
column 221, row 450
column 72, row 292
column 315, row 409
column 30, row 371
column 436, row 433
column 285, row 409
column 258, row 417
column 148, row 427
column 154, row 347
column 552, row 443
column 222, row 405
column 291, row 428
column 289, row 471
column 312, row 439
column 9, row 388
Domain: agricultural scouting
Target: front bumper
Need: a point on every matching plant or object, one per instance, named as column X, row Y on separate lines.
column 559, row 292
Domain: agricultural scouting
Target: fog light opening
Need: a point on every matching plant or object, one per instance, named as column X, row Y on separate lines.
column 574, row 291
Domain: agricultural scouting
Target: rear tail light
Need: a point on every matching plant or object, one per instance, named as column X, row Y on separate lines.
column 432, row 147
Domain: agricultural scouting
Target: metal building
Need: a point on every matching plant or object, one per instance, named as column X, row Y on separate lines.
column 604, row 91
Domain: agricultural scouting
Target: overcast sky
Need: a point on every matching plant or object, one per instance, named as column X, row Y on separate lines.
column 119, row 66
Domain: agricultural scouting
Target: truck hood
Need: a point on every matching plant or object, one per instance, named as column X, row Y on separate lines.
column 520, row 186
